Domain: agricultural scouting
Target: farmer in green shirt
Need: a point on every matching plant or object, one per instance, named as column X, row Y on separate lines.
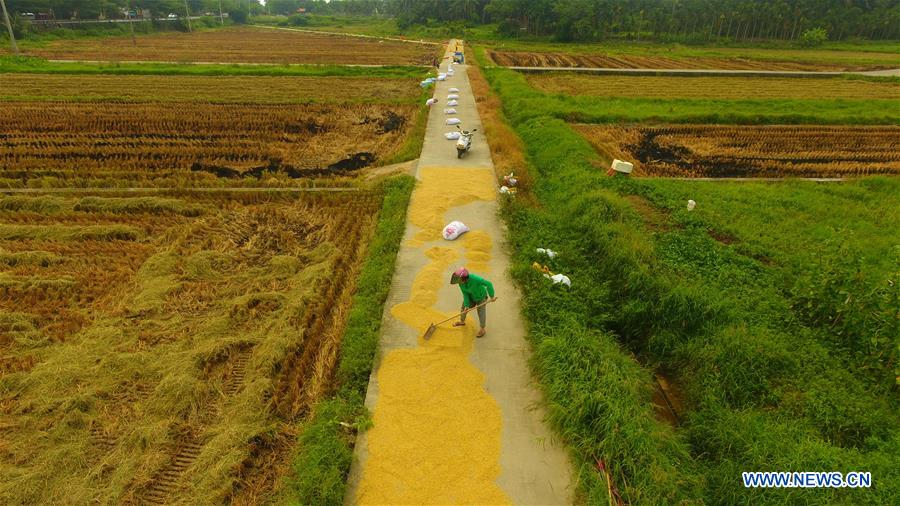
column 476, row 291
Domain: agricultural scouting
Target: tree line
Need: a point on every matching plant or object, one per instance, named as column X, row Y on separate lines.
column 738, row 20
column 114, row 9
column 570, row 20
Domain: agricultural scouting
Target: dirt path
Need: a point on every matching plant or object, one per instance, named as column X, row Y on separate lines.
column 456, row 420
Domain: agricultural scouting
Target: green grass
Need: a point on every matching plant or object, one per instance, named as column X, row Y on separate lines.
column 524, row 102
column 325, row 452
column 782, row 339
column 34, row 65
column 412, row 148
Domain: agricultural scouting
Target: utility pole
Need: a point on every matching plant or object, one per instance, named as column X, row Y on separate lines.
column 131, row 23
column 12, row 37
column 221, row 14
column 188, row 11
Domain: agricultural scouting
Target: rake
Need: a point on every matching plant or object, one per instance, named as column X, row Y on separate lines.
column 434, row 326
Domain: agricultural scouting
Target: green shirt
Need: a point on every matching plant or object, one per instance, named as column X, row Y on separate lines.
column 475, row 289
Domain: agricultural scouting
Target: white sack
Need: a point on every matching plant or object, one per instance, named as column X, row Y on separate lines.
column 454, row 229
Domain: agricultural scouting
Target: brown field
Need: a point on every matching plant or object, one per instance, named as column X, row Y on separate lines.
column 750, row 151
column 215, row 89
column 241, row 45
column 161, row 350
column 195, row 144
column 731, row 88
column 550, row 59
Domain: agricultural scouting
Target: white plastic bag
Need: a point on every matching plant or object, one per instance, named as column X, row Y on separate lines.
column 442, row 77
column 549, row 252
column 450, row 111
column 451, row 136
column 431, row 101
column 454, row 229
column 561, row 278
column 453, row 121
column 452, row 103
column 452, row 96
column 691, row 205
column 453, row 90
column 504, row 189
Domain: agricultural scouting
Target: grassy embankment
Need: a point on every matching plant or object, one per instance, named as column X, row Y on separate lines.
column 780, row 341
column 530, row 103
column 326, row 442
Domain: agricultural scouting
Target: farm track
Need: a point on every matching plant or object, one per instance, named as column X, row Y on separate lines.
column 190, row 444
column 165, row 482
column 324, row 324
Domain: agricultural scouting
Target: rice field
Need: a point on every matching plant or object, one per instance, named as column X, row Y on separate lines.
column 240, row 45
column 213, row 89
column 750, row 151
column 719, row 59
column 159, row 350
column 728, row 88
column 72, row 143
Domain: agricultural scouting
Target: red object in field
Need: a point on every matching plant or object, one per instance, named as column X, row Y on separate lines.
column 610, row 486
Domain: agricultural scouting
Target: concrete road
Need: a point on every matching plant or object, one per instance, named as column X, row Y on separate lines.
column 456, row 419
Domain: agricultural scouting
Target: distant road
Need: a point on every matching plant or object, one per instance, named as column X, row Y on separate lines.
column 96, row 21
column 699, row 72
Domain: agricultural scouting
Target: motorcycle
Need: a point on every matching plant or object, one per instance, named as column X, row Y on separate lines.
column 464, row 143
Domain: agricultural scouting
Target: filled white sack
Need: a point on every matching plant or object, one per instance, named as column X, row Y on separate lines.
column 454, row 229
